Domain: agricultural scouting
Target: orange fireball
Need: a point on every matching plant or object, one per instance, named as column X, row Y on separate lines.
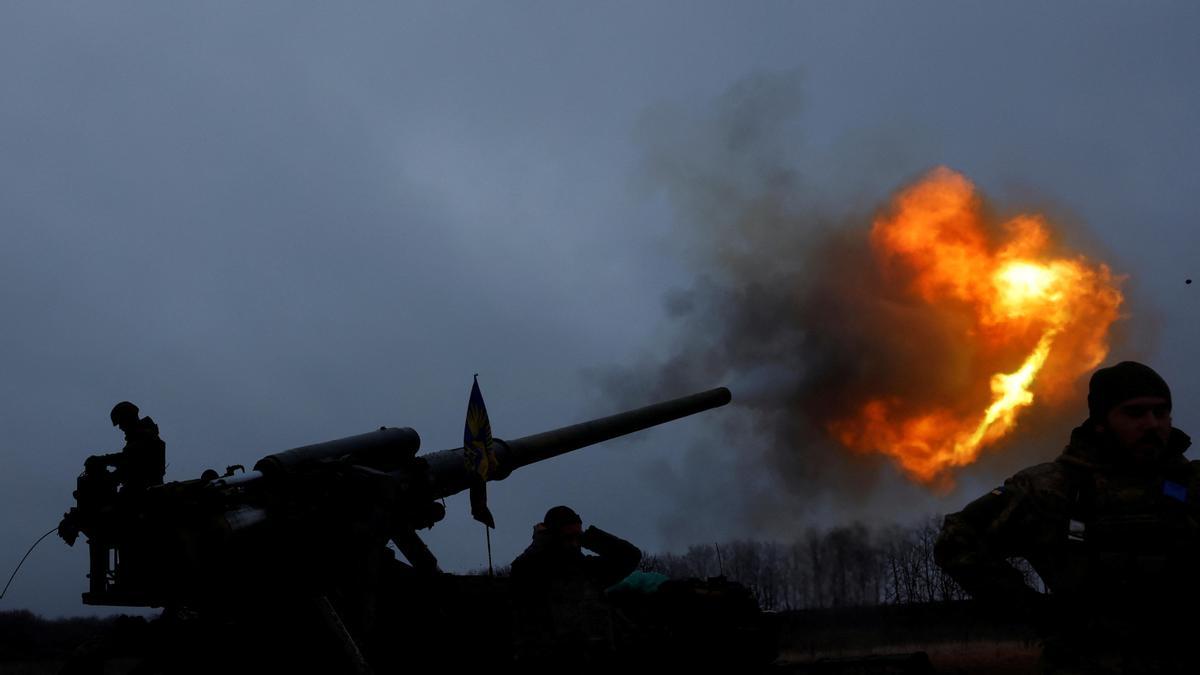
column 1035, row 320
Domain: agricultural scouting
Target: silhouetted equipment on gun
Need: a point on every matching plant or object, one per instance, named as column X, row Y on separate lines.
column 305, row 532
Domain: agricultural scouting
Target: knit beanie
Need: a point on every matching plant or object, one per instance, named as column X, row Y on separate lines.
column 1114, row 385
column 560, row 516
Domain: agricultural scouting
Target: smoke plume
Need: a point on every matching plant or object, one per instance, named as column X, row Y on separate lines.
column 792, row 310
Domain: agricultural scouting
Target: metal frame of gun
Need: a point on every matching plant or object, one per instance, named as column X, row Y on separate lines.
column 312, row 521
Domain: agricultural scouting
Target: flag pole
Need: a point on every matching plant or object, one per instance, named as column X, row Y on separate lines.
column 477, row 446
column 487, row 533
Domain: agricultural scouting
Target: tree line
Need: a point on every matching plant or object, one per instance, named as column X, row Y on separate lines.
column 845, row 566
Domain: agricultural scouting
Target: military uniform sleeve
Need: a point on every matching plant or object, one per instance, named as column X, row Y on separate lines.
column 1018, row 519
column 103, row 461
column 615, row 558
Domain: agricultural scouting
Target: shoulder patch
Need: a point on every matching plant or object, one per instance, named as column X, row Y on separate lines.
column 1175, row 491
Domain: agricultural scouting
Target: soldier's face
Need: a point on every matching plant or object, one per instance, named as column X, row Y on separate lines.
column 569, row 536
column 1140, row 426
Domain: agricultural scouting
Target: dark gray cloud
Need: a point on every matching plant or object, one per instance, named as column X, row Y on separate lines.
column 283, row 223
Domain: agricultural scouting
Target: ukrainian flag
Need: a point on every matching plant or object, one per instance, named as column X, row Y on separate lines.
column 480, row 458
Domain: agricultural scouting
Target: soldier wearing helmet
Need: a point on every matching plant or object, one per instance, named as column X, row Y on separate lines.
column 143, row 461
column 1112, row 526
column 138, row 466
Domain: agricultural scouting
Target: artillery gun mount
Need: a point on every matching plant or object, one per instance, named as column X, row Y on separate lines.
column 287, row 566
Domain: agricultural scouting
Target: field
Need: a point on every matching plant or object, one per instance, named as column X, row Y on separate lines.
column 864, row 640
column 955, row 637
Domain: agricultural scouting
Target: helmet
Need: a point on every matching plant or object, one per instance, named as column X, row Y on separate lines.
column 124, row 412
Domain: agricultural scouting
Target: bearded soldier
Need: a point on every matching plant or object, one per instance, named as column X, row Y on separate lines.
column 1111, row 526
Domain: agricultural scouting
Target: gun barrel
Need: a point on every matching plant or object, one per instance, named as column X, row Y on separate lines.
column 529, row 449
column 382, row 449
column 451, row 474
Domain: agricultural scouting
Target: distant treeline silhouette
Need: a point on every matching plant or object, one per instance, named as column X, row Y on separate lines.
column 25, row 636
column 839, row 567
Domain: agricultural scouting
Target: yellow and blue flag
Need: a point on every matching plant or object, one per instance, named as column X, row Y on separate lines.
column 480, row 458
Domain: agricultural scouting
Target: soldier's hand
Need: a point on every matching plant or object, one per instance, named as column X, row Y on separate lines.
column 67, row 529
column 589, row 537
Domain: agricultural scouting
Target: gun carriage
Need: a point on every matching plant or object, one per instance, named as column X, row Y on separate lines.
column 288, row 564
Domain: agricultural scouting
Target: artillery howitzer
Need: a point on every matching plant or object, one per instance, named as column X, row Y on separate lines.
column 294, row 552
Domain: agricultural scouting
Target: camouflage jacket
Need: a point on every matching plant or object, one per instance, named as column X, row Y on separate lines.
column 1117, row 546
column 558, row 602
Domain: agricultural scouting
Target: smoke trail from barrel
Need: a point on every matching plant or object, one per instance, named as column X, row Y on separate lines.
column 796, row 308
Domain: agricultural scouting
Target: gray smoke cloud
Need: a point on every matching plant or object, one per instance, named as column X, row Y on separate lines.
column 791, row 309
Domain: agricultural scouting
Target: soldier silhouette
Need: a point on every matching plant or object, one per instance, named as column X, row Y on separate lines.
column 143, row 461
column 139, row 465
column 563, row 621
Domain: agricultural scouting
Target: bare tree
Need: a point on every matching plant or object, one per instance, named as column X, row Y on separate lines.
column 846, row 566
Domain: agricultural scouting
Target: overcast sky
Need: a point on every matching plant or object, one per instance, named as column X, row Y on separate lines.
column 274, row 224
